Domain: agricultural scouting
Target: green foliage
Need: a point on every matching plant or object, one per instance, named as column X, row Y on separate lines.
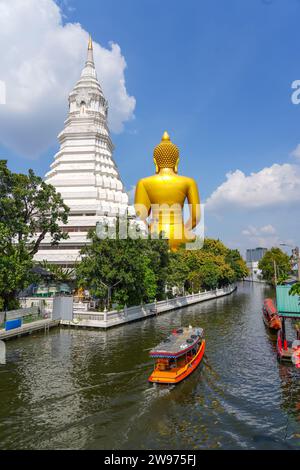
column 281, row 279
column 15, row 266
column 58, row 272
column 29, row 209
column 295, row 289
column 282, row 261
column 236, row 262
column 137, row 268
column 211, row 267
column 215, row 247
column 137, row 271
column 29, row 206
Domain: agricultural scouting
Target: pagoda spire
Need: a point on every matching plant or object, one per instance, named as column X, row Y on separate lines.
column 90, row 46
column 90, row 55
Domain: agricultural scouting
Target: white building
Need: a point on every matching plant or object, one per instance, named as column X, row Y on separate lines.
column 84, row 171
column 255, row 273
column 253, row 256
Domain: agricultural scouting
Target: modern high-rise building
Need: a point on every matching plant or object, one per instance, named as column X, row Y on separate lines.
column 84, row 171
column 255, row 254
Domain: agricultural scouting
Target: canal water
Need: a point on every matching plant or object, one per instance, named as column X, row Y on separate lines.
column 88, row 389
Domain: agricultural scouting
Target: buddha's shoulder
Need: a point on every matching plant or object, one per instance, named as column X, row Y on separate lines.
column 145, row 181
column 157, row 178
column 188, row 179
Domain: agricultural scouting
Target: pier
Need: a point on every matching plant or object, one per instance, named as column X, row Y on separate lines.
column 28, row 328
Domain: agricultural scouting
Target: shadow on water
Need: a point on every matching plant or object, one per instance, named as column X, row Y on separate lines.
column 88, row 389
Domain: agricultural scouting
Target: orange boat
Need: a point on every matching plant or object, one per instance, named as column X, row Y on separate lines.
column 178, row 355
column 270, row 315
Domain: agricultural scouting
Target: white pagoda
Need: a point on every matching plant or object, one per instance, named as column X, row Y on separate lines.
column 84, row 171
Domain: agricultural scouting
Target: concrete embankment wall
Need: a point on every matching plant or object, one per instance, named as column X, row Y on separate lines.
column 115, row 318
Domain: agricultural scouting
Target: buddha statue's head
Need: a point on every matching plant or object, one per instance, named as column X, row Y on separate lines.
column 166, row 154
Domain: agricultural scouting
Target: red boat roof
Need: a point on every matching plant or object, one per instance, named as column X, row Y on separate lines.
column 269, row 305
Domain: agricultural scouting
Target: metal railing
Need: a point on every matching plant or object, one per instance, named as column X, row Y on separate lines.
column 26, row 314
column 152, row 308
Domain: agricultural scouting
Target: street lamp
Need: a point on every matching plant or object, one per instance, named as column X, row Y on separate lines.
column 295, row 255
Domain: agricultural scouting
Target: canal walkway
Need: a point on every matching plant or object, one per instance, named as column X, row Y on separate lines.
column 28, row 328
column 109, row 319
column 66, row 313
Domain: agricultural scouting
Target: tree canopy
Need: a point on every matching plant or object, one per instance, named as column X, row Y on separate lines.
column 295, row 289
column 136, row 268
column 139, row 270
column 30, row 209
column 282, row 262
column 213, row 266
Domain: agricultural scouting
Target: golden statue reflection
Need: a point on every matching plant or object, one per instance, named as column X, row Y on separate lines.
column 163, row 196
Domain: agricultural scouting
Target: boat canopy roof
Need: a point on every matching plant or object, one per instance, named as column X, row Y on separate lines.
column 269, row 305
column 178, row 343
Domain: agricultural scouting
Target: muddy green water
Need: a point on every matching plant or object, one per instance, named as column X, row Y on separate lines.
column 87, row 389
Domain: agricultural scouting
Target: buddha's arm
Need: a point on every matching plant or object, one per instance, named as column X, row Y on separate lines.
column 194, row 205
column 142, row 203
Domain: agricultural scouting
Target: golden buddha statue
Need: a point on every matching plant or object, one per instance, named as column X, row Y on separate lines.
column 163, row 196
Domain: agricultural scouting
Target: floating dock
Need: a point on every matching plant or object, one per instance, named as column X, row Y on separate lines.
column 28, row 328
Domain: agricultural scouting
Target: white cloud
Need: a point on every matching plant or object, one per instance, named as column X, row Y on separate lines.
column 266, row 236
column 268, row 229
column 272, row 186
column 41, row 60
column 251, row 230
column 296, row 152
column 262, row 236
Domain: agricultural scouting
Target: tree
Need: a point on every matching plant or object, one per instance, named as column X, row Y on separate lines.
column 135, row 267
column 236, row 262
column 215, row 247
column 213, row 266
column 178, row 269
column 58, row 272
column 282, row 262
column 30, row 209
column 295, row 289
column 15, row 268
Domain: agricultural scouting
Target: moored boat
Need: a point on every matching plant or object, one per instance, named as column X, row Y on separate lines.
column 178, row 355
column 270, row 315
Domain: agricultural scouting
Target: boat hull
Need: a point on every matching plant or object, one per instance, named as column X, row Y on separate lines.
column 170, row 377
column 274, row 324
column 270, row 316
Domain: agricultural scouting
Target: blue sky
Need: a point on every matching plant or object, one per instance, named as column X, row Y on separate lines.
column 217, row 75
